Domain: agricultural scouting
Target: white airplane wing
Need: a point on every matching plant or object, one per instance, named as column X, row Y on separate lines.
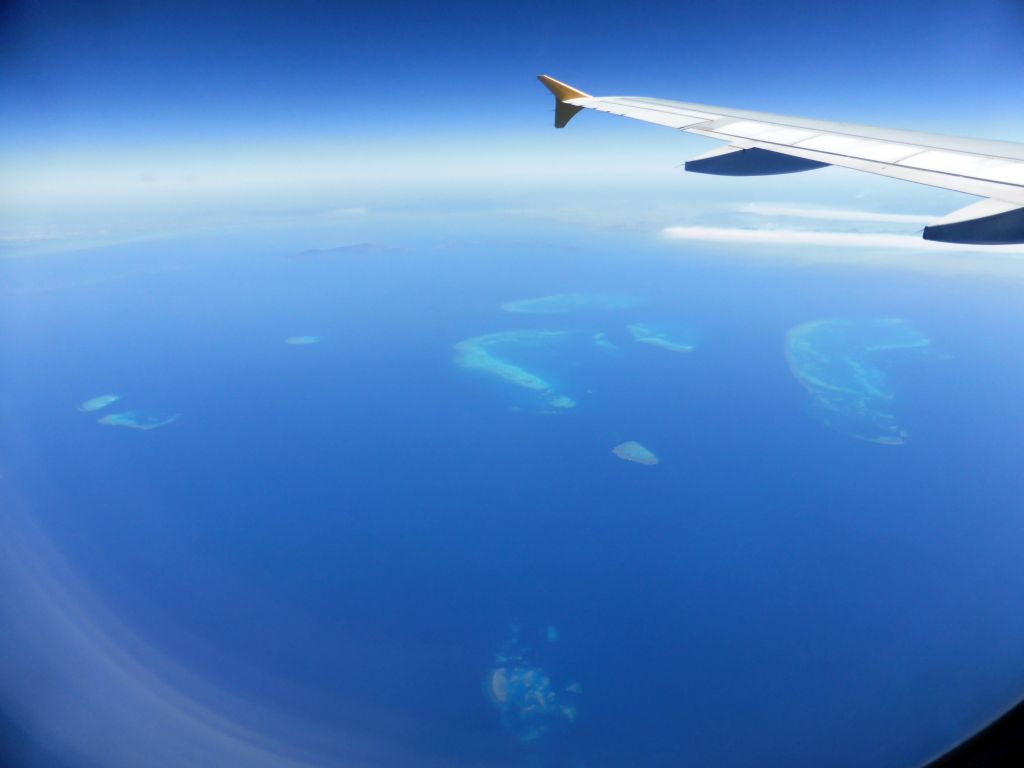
column 761, row 144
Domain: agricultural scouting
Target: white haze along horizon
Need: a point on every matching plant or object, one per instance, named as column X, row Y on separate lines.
column 49, row 192
column 56, row 202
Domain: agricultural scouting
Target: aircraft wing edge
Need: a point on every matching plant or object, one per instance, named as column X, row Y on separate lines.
column 762, row 144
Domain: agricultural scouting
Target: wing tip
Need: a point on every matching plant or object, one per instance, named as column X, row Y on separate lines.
column 562, row 91
column 564, row 112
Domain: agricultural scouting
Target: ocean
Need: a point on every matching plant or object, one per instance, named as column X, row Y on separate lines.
column 396, row 559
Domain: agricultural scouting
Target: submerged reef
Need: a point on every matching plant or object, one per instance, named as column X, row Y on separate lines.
column 633, row 451
column 301, row 341
column 482, row 353
column 129, row 419
column 601, row 340
column 137, row 420
column 561, row 303
column 838, row 362
column 530, row 703
column 98, row 403
column 352, row 250
column 675, row 339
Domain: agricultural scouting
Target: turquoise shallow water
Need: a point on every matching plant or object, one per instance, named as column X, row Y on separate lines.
column 842, row 364
column 396, row 545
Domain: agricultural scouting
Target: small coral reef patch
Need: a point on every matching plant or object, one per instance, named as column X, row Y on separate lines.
column 138, row 420
column 98, row 403
column 531, row 704
column 633, row 451
column 303, row 341
column 675, row 339
column 561, row 303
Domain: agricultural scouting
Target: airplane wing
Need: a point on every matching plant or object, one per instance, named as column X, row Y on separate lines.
column 760, row 144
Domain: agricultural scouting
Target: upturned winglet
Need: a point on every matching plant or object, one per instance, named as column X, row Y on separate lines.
column 564, row 112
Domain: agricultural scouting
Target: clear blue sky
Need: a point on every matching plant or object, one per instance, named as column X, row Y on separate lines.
column 147, row 72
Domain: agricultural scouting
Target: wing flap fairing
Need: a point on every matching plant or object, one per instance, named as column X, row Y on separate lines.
column 753, row 161
column 989, row 222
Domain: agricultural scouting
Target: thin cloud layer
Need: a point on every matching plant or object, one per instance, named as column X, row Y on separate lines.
column 834, row 214
column 866, row 250
column 826, row 238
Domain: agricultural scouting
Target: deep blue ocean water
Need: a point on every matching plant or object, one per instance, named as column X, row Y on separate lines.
column 350, row 532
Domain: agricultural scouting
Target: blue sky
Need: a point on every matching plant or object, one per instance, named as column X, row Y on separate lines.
column 153, row 72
